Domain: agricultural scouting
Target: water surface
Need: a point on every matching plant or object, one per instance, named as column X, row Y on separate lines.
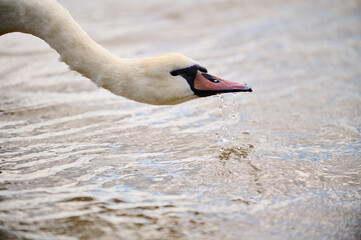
column 80, row 163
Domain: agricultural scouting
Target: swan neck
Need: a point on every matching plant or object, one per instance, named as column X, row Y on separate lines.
column 54, row 24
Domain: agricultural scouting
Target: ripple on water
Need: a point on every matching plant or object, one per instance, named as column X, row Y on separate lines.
column 80, row 163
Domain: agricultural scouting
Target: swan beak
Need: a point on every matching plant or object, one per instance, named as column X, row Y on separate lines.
column 206, row 85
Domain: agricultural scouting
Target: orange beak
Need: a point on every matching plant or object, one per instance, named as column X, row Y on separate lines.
column 206, row 85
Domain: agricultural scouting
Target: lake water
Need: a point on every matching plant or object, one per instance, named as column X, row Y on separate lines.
column 282, row 162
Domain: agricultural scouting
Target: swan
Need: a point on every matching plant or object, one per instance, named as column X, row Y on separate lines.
column 163, row 80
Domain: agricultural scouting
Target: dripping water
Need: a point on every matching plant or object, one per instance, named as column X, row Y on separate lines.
column 225, row 136
column 233, row 113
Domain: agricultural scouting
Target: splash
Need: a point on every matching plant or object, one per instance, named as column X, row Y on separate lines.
column 226, row 136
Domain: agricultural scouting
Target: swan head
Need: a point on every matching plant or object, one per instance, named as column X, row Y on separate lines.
column 173, row 78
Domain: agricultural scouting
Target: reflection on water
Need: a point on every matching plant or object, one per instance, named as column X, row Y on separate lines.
column 282, row 162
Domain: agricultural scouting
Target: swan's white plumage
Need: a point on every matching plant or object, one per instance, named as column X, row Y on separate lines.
column 146, row 80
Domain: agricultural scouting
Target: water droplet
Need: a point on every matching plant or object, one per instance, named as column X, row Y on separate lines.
column 222, row 99
column 216, row 134
column 221, row 149
column 234, row 103
column 233, row 116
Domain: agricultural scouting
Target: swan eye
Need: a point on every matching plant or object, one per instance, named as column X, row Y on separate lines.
column 202, row 69
column 210, row 78
column 189, row 71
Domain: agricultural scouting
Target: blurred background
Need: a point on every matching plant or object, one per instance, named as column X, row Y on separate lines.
column 281, row 162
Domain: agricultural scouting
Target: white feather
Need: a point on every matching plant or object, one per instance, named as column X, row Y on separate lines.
column 146, row 80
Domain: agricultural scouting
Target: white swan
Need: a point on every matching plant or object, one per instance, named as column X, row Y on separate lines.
column 166, row 79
